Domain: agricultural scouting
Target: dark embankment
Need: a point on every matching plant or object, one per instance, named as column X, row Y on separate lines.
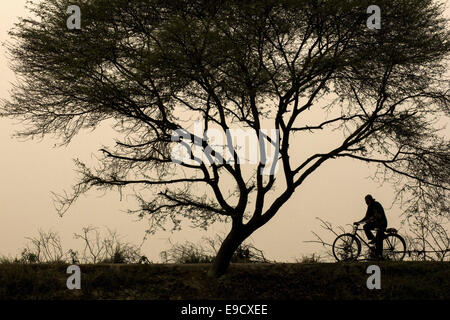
column 329, row 281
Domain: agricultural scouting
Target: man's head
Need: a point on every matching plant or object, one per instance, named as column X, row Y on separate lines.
column 369, row 199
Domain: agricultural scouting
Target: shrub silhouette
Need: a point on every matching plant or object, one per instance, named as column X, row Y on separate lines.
column 190, row 252
column 98, row 248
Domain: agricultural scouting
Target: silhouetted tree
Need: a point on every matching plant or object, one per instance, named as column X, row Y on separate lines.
column 151, row 66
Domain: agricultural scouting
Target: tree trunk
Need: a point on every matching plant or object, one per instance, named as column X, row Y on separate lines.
column 225, row 253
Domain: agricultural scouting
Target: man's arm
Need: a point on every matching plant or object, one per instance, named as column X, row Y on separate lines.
column 366, row 218
column 361, row 221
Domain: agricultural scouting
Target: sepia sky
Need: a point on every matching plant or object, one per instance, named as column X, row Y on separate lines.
column 31, row 170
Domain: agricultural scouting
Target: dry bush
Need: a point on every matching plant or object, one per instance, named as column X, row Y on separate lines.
column 206, row 251
column 107, row 248
column 98, row 248
column 44, row 248
column 428, row 238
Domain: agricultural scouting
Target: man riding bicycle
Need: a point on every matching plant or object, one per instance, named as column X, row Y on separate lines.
column 374, row 218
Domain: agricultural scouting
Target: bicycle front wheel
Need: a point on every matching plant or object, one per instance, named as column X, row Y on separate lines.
column 394, row 247
column 346, row 247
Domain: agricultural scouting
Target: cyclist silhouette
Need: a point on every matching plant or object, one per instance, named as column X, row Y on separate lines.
column 374, row 218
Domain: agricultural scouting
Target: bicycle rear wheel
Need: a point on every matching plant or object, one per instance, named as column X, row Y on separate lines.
column 346, row 247
column 394, row 247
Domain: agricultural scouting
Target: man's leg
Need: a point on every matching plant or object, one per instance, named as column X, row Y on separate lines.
column 367, row 227
column 379, row 242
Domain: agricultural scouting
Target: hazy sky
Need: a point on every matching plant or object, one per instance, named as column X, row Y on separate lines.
column 30, row 170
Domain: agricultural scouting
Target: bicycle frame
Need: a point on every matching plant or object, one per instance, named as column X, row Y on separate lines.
column 356, row 234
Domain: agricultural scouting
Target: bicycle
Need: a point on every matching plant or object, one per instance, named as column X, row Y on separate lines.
column 347, row 246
